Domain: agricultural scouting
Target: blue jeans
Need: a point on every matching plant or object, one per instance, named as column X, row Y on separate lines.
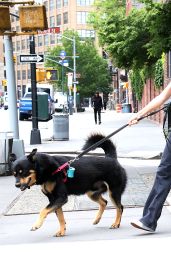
column 162, row 185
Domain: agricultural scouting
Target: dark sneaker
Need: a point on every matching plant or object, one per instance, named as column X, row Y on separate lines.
column 100, row 122
column 140, row 225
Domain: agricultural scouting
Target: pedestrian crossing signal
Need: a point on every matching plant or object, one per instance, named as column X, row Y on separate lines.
column 4, row 82
column 51, row 74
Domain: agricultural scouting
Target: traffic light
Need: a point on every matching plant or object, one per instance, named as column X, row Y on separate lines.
column 33, row 17
column 51, row 74
column 14, row 58
column 5, row 23
column 4, row 82
column 40, row 75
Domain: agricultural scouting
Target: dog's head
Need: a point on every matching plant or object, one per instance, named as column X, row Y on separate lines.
column 24, row 170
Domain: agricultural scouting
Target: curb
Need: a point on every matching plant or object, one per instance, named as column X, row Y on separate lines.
column 131, row 155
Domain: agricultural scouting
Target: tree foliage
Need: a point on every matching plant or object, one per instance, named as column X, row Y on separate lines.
column 91, row 68
column 137, row 39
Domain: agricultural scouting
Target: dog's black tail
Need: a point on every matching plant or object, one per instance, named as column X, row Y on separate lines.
column 108, row 146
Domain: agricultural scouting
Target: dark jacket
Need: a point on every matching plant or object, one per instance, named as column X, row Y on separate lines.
column 97, row 102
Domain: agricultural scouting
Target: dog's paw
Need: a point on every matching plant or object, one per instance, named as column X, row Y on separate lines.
column 35, row 227
column 60, row 233
column 115, row 225
column 96, row 221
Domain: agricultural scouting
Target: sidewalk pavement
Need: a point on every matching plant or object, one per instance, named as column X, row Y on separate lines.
column 144, row 140
column 139, row 148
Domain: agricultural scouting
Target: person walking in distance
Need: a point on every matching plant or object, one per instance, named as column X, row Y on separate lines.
column 162, row 184
column 97, row 105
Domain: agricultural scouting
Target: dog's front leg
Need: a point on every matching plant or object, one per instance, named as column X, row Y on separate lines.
column 60, row 215
column 57, row 198
column 43, row 214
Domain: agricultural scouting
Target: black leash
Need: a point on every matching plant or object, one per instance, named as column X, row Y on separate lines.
column 115, row 132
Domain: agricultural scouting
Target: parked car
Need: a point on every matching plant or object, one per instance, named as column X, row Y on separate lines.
column 25, row 108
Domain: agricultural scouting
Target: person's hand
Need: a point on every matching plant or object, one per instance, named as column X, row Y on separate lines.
column 133, row 120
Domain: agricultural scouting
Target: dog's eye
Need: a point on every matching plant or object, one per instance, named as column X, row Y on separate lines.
column 20, row 171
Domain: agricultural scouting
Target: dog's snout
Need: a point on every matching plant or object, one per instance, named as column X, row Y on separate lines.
column 17, row 184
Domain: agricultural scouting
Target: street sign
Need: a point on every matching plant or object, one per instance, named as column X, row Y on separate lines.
column 62, row 54
column 32, row 58
column 64, row 63
column 53, row 30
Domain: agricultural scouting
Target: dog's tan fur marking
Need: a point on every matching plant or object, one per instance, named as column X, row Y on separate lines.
column 117, row 221
column 102, row 206
column 43, row 214
column 48, row 187
column 60, row 215
column 31, row 177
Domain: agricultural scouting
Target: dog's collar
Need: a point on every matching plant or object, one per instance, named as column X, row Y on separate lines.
column 64, row 167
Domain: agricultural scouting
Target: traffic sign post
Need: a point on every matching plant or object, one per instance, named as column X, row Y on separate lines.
column 32, row 58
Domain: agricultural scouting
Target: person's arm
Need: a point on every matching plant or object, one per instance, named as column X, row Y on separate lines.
column 152, row 105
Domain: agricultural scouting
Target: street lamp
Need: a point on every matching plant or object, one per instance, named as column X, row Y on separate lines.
column 74, row 66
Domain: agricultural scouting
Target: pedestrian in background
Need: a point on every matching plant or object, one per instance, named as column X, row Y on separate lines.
column 162, row 184
column 105, row 100
column 97, row 105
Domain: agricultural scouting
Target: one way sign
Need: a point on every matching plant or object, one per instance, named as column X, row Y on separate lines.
column 32, row 58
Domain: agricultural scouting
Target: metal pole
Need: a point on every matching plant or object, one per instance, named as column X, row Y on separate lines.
column 74, row 73
column 35, row 133
column 11, row 87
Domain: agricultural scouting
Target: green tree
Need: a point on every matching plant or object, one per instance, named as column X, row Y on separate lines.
column 91, row 67
column 137, row 39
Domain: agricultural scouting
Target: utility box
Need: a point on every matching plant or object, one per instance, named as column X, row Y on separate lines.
column 61, row 127
column 43, row 106
column 5, row 23
column 33, row 17
column 6, row 142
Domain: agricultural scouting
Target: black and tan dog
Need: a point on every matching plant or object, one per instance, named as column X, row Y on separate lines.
column 93, row 176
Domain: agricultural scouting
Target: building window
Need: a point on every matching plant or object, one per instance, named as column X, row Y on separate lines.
column 28, row 43
column 28, row 74
column 13, row 46
column 52, row 21
column 40, row 41
column 58, row 4
column 23, row 45
column 18, row 60
column 46, row 40
column 18, row 75
column 169, row 64
column 51, row 5
column 18, row 46
column 65, row 2
column 46, row 5
column 52, row 39
column 83, row 33
column 85, row 2
column 82, row 17
column 58, row 20
column 65, row 17
column 23, row 74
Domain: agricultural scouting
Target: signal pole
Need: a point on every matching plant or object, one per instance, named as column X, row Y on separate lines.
column 35, row 132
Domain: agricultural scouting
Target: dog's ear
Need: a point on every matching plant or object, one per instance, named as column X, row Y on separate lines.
column 12, row 157
column 31, row 157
